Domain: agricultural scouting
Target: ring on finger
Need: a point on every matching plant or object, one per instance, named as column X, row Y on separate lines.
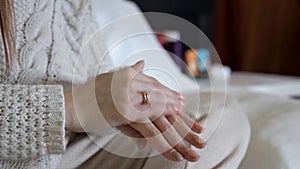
column 145, row 97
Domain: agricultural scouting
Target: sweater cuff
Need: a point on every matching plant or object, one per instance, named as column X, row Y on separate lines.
column 54, row 120
column 32, row 121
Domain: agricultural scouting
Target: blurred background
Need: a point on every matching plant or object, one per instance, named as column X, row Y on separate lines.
column 249, row 35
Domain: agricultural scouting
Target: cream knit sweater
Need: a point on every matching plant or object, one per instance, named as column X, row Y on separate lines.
column 50, row 37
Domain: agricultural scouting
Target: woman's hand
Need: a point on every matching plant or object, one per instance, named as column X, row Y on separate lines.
column 167, row 134
column 118, row 96
column 113, row 99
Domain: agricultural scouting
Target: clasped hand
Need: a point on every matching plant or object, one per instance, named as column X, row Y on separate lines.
column 114, row 99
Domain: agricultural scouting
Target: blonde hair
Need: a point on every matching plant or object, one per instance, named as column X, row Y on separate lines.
column 8, row 32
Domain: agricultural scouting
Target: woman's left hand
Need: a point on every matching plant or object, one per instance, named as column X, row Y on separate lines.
column 167, row 134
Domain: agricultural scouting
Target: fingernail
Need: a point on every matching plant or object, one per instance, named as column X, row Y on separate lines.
column 198, row 139
column 198, row 127
column 177, row 155
column 191, row 153
column 203, row 145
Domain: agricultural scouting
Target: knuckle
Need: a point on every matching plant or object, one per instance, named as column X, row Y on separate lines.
column 126, row 70
column 166, row 127
column 127, row 73
column 155, row 81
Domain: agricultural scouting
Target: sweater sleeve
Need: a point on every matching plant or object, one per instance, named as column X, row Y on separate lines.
column 31, row 121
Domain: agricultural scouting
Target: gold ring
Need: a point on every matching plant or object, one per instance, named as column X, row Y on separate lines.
column 145, row 97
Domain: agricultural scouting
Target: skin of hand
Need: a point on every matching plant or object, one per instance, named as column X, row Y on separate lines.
column 118, row 99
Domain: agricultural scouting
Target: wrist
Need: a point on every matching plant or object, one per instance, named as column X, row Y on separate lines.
column 69, row 109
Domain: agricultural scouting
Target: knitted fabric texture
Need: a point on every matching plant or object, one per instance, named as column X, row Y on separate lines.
column 31, row 121
column 50, row 38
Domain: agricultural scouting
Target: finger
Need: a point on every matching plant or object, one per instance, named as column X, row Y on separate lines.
column 158, row 104
column 156, row 98
column 171, row 99
column 156, row 84
column 175, row 139
column 164, row 105
column 186, row 132
column 156, row 139
column 139, row 66
column 170, row 110
column 167, row 111
column 139, row 86
column 196, row 127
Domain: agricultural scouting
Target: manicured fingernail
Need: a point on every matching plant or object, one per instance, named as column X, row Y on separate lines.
column 203, row 145
column 198, row 127
column 177, row 155
column 198, row 139
column 191, row 153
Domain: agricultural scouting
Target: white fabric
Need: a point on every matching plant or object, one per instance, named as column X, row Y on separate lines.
column 226, row 131
column 275, row 124
column 283, row 89
column 132, row 40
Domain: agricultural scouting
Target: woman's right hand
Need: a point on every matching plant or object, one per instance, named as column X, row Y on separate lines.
column 117, row 96
column 113, row 99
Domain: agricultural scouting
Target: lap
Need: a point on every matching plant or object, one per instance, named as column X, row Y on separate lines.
column 226, row 146
column 85, row 152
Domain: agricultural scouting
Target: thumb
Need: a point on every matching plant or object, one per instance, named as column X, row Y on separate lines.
column 139, row 66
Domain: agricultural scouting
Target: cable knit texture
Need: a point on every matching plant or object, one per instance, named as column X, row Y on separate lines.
column 53, row 52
